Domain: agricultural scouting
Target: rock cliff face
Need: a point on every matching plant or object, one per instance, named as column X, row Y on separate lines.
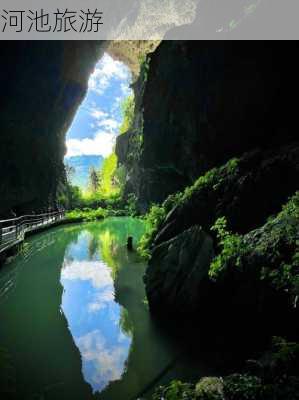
column 253, row 280
column 42, row 84
column 246, row 191
column 203, row 103
column 197, row 105
column 177, row 267
column 221, row 102
column 130, row 52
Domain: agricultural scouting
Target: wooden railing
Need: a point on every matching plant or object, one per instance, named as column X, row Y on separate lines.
column 12, row 231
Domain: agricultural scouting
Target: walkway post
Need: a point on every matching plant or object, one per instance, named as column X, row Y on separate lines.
column 0, row 233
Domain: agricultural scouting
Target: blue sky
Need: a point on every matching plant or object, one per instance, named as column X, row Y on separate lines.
column 93, row 315
column 98, row 119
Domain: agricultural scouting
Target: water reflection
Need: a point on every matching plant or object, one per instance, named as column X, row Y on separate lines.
column 74, row 320
column 88, row 302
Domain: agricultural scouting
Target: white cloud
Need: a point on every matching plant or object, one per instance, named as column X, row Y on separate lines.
column 110, row 124
column 102, row 144
column 108, row 361
column 104, row 124
column 126, row 90
column 97, row 114
column 104, row 120
column 116, row 105
column 94, row 271
column 100, row 278
column 106, row 70
column 101, row 300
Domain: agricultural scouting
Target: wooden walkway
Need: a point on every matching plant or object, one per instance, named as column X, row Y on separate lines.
column 13, row 231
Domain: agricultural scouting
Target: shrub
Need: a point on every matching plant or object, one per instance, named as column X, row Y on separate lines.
column 242, row 387
column 209, row 181
column 209, row 388
column 131, row 206
column 231, row 246
column 144, row 67
column 153, row 220
column 70, row 197
column 273, row 249
column 282, row 242
column 176, row 390
column 86, row 214
column 107, row 185
column 127, row 110
column 284, row 357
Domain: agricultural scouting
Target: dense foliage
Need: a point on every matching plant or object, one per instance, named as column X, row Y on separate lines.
column 86, row 214
column 89, row 214
column 70, row 197
column 127, row 108
column 107, row 184
column 93, row 180
column 176, row 390
column 273, row 248
column 230, row 243
column 144, row 67
column 157, row 214
column 154, row 218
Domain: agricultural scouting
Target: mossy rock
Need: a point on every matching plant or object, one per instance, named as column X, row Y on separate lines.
column 244, row 190
column 178, row 271
column 209, row 388
column 252, row 282
column 270, row 252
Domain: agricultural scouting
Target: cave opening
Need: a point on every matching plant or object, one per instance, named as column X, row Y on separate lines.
column 210, row 162
column 90, row 161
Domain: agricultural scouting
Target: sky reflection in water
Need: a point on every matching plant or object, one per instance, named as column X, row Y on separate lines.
column 74, row 318
column 92, row 313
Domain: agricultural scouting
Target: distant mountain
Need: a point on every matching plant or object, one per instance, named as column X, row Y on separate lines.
column 82, row 164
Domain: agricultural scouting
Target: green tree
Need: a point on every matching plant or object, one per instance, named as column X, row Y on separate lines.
column 120, row 176
column 127, row 110
column 93, row 180
column 70, row 172
column 108, row 184
column 70, row 197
